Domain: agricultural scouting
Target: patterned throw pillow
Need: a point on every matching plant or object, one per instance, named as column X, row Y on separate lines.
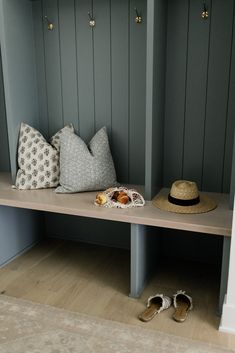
column 38, row 160
column 85, row 168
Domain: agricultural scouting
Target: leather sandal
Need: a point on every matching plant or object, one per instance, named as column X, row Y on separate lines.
column 183, row 304
column 155, row 305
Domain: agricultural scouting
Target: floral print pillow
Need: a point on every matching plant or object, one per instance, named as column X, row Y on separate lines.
column 38, row 160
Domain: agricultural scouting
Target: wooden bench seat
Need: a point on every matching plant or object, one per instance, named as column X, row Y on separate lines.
column 143, row 258
column 217, row 222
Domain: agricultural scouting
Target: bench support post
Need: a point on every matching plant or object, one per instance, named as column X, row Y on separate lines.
column 224, row 272
column 143, row 257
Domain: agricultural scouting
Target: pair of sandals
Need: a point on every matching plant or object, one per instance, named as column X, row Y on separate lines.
column 182, row 303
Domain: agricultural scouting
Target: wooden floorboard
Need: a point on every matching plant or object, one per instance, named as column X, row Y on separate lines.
column 95, row 280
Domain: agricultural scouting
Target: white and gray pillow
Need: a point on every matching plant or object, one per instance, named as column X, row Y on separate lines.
column 38, row 160
column 85, row 168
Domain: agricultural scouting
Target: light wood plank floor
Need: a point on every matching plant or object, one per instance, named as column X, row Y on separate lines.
column 95, row 280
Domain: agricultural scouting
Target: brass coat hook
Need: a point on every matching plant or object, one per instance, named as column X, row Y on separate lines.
column 92, row 22
column 138, row 18
column 50, row 25
column 205, row 13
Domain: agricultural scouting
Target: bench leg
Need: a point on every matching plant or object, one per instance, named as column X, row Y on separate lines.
column 143, row 257
column 224, row 272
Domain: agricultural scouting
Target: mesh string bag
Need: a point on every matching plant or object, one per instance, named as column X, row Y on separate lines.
column 135, row 198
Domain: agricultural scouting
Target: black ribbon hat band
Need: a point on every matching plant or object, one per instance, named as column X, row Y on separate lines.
column 180, row 202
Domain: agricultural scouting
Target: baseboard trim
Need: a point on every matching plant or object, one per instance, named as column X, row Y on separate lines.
column 227, row 323
column 226, row 330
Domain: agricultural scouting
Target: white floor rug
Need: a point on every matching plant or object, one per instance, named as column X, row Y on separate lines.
column 27, row 327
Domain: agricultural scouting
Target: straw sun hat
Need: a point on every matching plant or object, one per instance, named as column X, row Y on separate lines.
column 184, row 198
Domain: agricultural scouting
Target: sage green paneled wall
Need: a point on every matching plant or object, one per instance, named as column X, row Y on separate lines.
column 19, row 72
column 155, row 95
column 95, row 76
column 4, row 155
column 200, row 91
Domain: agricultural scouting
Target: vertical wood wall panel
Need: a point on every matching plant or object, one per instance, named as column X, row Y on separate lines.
column 150, row 99
column 197, row 63
column 96, row 76
column 102, row 64
column 84, row 38
column 68, row 62
column 96, row 73
column 232, row 183
column 4, row 155
column 53, row 67
column 199, row 117
column 19, row 71
column 159, row 96
column 155, row 96
column 137, row 94
column 40, row 65
column 218, row 82
column 175, row 89
column 229, row 138
column 120, row 86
